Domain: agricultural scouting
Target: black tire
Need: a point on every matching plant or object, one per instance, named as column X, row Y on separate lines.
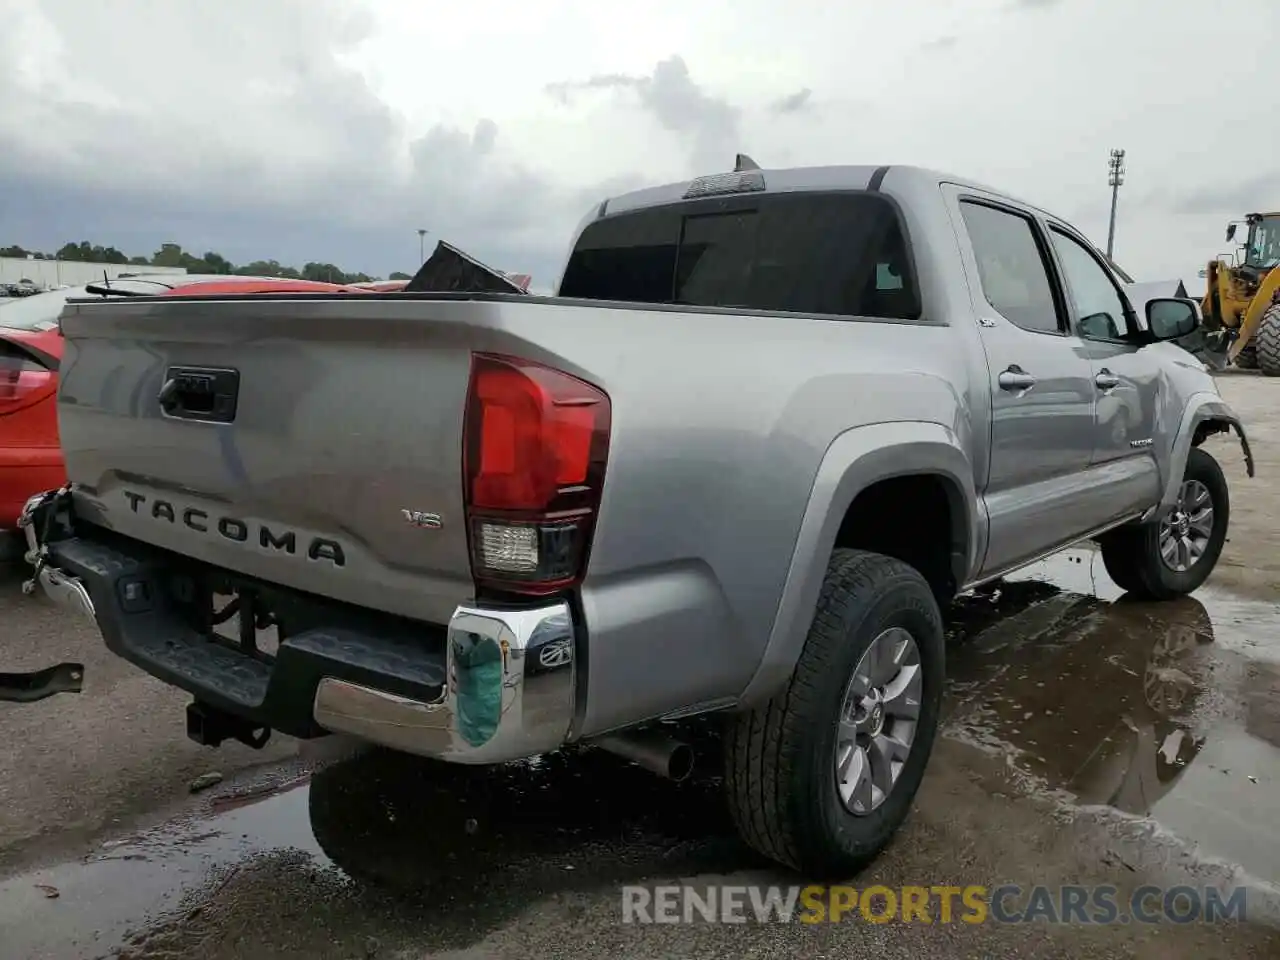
column 1132, row 554
column 779, row 758
column 1247, row 359
column 1267, row 339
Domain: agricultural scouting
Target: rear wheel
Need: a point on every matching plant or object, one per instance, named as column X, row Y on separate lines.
column 1172, row 557
column 1247, row 359
column 822, row 776
column 1267, row 339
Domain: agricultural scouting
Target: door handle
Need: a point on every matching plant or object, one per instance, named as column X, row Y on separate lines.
column 200, row 393
column 1015, row 378
column 1106, row 380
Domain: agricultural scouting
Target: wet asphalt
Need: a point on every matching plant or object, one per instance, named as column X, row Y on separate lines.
column 1089, row 739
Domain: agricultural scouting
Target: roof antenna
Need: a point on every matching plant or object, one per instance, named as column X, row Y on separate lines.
column 743, row 162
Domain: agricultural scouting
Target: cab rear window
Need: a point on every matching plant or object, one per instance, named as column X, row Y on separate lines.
column 841, row 254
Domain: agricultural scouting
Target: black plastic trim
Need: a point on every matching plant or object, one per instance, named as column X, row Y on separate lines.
column 152, row 628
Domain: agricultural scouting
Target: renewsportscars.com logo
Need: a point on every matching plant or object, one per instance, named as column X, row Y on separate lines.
column 974, row 904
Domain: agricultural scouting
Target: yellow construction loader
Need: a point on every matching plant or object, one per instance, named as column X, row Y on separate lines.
column 1241, row 306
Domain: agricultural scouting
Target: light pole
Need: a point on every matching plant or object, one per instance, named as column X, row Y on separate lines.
column 422, row 246
column 1115, row 177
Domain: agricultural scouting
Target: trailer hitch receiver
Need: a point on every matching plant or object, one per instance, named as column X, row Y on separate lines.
column 209, row 727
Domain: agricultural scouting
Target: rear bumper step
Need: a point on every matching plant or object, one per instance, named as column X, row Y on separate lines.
column 490, row 686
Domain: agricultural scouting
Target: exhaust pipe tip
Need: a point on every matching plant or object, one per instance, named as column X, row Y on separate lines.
column 680, row 763
column 652, row 750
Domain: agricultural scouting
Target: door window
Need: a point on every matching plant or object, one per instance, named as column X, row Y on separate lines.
column 1099, row 309
column 1011, row 267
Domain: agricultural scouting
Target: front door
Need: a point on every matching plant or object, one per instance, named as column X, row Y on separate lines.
column 1042, row 390
column 1126, row 378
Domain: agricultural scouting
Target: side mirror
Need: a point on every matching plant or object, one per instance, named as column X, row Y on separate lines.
column 1169, row 318
column 1231, row 231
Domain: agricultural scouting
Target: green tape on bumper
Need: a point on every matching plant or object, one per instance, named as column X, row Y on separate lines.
column 478, row 665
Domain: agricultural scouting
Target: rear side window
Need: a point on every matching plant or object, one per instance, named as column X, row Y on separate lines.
column 843, row 254
column 1011, row 266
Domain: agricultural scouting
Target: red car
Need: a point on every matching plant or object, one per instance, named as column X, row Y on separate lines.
column 30, row 351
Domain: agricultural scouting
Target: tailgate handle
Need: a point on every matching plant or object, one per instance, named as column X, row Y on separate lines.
column 200, row 393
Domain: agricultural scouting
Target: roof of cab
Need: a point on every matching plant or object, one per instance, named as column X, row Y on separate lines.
column 899, row 179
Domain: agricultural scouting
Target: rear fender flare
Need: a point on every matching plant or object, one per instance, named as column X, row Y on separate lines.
column 855, row 460
column 1200, row 408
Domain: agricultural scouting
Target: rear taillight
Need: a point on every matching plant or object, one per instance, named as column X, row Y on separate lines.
column 22, row 379
column 534, row 451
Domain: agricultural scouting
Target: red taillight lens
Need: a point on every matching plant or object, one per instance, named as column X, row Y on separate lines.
column 536, row 442
column 21, row 380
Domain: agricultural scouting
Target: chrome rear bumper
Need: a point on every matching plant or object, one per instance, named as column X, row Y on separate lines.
column 60, row 587
column 509, row 692
column 509, row 676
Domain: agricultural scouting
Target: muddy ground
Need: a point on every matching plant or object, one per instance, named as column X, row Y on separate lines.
column 1088, row 740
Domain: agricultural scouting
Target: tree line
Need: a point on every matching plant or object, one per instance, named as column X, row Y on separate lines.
column 172, row 255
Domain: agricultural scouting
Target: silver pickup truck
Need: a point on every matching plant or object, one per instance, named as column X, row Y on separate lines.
column 773, row 421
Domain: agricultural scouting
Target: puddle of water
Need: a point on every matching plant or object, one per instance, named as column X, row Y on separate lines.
column 1169, row 711
column 465, row 848
column 98, row 899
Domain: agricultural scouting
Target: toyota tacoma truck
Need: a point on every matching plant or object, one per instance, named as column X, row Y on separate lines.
column 769, row 425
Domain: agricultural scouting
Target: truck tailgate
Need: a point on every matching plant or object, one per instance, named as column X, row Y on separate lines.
column 303, row 443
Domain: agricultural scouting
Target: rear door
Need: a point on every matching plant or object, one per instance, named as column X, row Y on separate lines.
column 1042, row 392
column 1126, row 377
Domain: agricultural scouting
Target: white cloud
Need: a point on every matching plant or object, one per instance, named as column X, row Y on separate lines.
column 332, row 130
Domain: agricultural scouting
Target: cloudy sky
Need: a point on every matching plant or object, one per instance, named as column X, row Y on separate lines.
column 332, row 130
